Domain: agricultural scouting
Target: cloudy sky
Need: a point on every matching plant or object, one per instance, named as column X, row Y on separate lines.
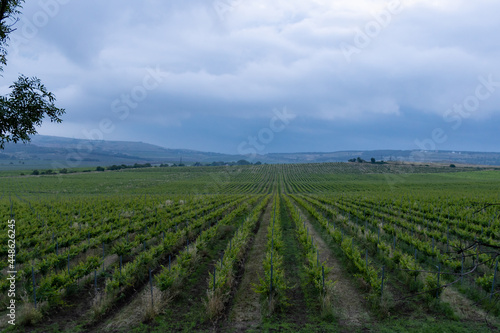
column 237, row 76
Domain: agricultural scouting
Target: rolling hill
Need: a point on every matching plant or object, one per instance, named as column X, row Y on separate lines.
column 58, row 152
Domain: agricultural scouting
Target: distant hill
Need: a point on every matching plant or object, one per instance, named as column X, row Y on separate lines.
column 473, row 158
column 58, row 152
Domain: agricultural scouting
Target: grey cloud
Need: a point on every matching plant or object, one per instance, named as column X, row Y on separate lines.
column 236, row 67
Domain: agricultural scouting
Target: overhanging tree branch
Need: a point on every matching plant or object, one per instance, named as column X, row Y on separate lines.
column 24, row 108
column 29, row 101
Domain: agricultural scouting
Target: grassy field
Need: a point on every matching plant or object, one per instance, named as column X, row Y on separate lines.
column 328, row 247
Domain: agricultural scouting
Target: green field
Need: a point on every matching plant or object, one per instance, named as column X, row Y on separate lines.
column 294, row 248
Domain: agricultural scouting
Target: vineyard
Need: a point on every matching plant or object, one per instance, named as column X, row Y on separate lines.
column 312, row 247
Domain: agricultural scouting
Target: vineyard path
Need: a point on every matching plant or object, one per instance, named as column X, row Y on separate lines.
column 353, row 307
column 246, row 311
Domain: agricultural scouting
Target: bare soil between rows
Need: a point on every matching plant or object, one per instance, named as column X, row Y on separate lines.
column 245, row 309
column 351, row 306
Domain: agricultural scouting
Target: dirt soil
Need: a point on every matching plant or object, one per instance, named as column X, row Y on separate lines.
column 353, row 308
column 246, row 310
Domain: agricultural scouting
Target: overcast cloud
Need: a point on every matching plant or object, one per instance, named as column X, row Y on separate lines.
column 207, row 75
